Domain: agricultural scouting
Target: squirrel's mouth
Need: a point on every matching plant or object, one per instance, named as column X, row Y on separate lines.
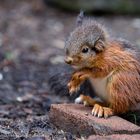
column 76, row 67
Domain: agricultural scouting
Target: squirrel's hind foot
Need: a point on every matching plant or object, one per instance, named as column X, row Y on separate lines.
column 98, row 109
column 101, row 111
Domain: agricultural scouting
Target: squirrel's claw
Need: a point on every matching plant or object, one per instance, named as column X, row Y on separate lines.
column 73, row 89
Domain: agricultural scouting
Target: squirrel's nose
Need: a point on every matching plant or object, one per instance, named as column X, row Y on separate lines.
column 68, row 60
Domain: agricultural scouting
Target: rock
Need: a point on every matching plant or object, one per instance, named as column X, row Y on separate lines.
column 73, row 118
column 115, row 137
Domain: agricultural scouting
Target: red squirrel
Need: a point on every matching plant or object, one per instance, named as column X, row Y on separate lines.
column 111, row 65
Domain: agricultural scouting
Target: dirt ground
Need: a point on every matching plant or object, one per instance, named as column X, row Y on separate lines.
column 32, row 37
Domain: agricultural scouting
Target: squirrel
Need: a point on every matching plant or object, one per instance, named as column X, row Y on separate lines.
column 111, row 65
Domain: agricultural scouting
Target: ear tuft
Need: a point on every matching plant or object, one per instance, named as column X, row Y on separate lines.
column 80, row 18
column 100, row 45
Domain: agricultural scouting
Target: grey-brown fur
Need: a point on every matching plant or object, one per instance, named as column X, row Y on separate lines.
column 89, row 31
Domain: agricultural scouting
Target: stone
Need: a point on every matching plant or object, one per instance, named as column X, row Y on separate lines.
column 73, row 118
column 115, row 137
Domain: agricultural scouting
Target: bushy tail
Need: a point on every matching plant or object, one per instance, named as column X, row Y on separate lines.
column 58, row 77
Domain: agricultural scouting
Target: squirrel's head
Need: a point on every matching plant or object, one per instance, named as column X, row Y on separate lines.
column 85, row 43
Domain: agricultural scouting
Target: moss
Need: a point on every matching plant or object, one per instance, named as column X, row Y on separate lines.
column 133, row 117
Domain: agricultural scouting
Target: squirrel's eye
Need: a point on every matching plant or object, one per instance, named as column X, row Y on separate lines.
column 85, row 50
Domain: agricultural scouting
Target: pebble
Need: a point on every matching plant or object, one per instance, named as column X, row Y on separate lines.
column 58, row 43
column 86, row 114
column 136, row 23
column 57, row 59
column 1, row 76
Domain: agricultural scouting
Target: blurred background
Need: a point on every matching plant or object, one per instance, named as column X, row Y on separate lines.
column 32, row 36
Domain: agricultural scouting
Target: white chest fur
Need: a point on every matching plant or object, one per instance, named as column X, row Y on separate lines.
column 100, row 87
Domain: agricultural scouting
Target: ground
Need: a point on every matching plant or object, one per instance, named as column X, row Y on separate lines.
column 32, row 37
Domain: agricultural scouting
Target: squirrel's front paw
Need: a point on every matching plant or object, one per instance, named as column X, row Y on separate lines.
column 73, row 87
column 76, row 80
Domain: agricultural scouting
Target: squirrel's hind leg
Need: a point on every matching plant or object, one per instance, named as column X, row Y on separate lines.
column 99, row 108
column 87, row 100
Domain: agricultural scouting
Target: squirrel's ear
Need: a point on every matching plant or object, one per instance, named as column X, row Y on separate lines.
column 99, row 45
column 80, row 18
